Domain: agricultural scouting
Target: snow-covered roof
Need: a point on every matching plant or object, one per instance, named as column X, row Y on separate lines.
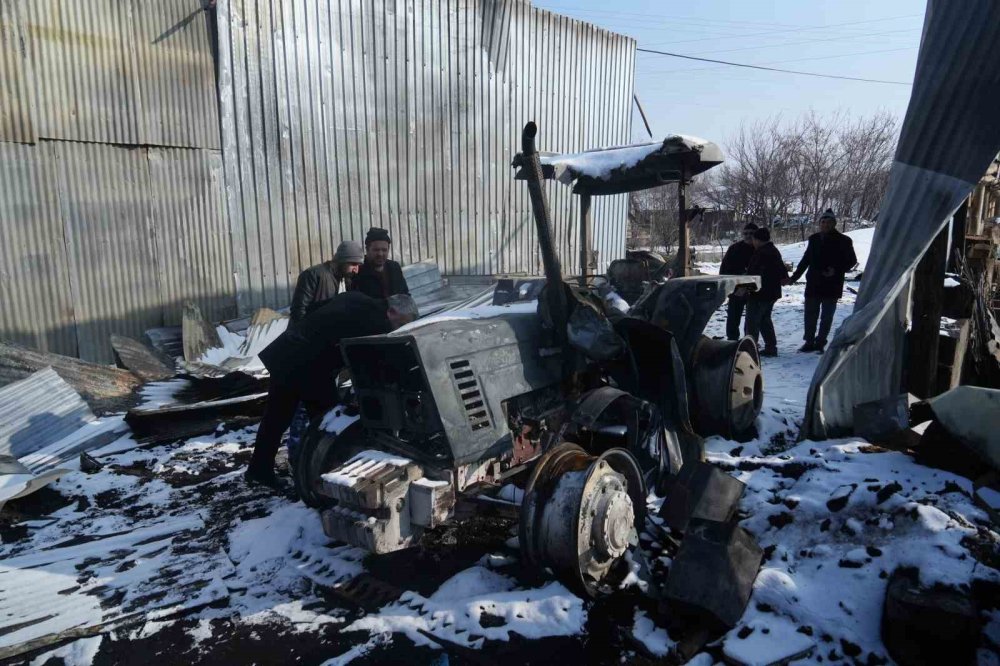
column 638, row 166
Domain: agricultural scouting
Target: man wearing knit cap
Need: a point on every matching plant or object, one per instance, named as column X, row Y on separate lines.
column 379, row 277
column 829, row 255
column 735, row 263
column 320, row 283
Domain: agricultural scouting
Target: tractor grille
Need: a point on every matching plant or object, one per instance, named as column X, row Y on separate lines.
column 471, row 394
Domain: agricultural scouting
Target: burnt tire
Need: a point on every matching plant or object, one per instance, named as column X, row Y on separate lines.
column 320, row 452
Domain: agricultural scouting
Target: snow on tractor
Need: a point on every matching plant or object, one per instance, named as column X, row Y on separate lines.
column 581, row 409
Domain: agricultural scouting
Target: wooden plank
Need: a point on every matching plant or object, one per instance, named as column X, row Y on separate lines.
column 101, row 386
column 140, row 360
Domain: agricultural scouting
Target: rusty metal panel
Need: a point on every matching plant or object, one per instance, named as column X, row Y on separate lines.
column 103, row 194
column 85, row 70
column 338, row 115
column 15, row 74
column 36, row 305
column 175, row 73
column 192, row 248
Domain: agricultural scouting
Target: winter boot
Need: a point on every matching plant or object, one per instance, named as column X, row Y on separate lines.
column 769, row 352
column 820, row 346
column 264, row 477
column 808, row 347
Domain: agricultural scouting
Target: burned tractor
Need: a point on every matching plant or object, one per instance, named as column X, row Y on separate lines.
column 554, row 408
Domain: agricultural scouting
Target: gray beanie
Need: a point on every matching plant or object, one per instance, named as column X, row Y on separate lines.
column 349, row 252
column 828, row 214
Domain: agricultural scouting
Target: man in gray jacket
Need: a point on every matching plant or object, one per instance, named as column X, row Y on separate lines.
column 321, row 282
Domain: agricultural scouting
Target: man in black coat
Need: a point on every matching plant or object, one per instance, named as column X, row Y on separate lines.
column 321, row 282
column 735, row 263
column 379, row 277
column 767, row 263
column 305, row 360
column 829, row 255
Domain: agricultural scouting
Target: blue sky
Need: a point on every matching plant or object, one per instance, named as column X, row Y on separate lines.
column 875, row 39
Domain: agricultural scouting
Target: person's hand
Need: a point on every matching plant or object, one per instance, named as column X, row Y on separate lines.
column 828, row 272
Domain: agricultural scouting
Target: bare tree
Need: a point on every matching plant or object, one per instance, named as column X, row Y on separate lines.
column 760, row 172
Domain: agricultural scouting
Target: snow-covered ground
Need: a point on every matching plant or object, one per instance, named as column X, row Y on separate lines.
column 240, row 576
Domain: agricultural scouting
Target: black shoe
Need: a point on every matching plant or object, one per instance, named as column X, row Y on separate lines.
column 264, row 477
column 808, row 347
column 772, row 352
column 820, row 346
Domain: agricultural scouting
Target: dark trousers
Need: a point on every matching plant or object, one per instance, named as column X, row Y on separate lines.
column 759, row 322
column 282, row 401
column 734, row 312
column 821, row 309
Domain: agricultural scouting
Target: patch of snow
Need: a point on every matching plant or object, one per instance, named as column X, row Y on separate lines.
column 363, row 464
column 478, row 312
column 652, row 637
column 951, row 282
column 771, row 639
column 359, row 650
column 484, row 604
column 78, row 653
column 336, row 420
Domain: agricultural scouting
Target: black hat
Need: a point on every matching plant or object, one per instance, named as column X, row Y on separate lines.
column 377, row 234
column 750, row 226
column 762, row 234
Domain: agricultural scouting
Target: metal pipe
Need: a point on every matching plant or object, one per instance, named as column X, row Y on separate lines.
column 643, row 114
column 528, row 160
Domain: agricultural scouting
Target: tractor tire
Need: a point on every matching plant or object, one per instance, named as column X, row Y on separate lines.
column 320, row 452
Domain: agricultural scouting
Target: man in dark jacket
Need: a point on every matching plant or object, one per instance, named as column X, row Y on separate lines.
column 304, row 362
column 379, row 277
column 768, row 264
column 321, row 282
column 735, row 263
column 829, row 255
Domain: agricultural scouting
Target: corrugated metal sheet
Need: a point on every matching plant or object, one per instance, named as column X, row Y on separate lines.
column 105, row 207
column 943, row 150
column 346, row 114
column 15, row 101
column 126, row 72
column 193, row 252
column 38, row 411
column 176, row 73
column 36, row 305
column 100, row 239
column 85, row 70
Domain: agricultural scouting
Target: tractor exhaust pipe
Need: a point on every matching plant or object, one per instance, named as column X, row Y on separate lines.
column 556, row 296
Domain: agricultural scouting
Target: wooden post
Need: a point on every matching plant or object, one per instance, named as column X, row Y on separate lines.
column 683, row 250
column 928, row 293
column 585, row 237
column 958, row 222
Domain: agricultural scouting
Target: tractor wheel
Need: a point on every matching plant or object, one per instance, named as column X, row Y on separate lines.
column 320, row 452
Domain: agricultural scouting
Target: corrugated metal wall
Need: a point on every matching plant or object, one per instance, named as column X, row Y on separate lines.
column 111, row 201
column 339, row 115
column 117, row 204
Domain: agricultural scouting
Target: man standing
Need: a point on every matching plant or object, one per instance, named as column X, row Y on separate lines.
column 768, row 264
column 735, row 263
column 829, row 255
column 379, row 277
column 304, row 362
column 322, row 282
